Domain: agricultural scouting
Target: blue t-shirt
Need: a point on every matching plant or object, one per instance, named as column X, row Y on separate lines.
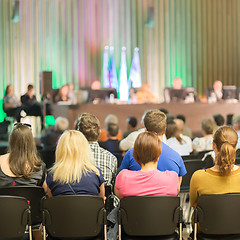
column 168, row 160
column 88, row 185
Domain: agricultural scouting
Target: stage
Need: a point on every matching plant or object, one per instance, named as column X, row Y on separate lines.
column 194, row 112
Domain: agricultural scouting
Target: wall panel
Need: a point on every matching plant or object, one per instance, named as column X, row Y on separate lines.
column 197, row 40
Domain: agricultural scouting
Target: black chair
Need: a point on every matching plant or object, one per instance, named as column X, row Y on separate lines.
column 33, row 194
column 15, row 217
column 150, row 217
column 218, row 216
column 48, row 156
column 191, row 166
column 74, row 216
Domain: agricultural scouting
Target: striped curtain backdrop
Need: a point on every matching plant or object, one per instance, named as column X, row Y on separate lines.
column 196, row 40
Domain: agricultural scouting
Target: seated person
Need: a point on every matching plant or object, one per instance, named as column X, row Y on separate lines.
column 82, row 176
column 205, row 143
column 11, row 105
column 177, row 93
column 30, row 104
column 112, row 144
column 21, row 166
column 224, row 176
column 155, row 121
column 215, row 93
column 186, row 130
column 149, row 180
column 219, row 119
column 111, row 118
column 62, row 96
column 131, row 126
column 144, row 95
column 49, row 140
column 175, row 141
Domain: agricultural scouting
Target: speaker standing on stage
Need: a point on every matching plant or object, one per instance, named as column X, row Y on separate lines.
column 30, row 104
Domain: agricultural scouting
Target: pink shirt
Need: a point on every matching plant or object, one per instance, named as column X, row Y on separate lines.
column 139, row 183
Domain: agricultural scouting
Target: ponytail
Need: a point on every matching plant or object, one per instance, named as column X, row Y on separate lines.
column 225, row 158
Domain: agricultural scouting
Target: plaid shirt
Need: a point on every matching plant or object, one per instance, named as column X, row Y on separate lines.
column 106, row 161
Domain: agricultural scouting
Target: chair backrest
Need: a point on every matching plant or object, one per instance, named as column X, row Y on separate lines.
column 219, row 213
column 14, row 212
column 191, row 166
column 73, row 215
column 149, row 215
column 33, row 194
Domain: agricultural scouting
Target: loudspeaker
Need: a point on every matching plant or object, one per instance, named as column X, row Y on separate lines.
column 15, row 11
column 45, row 83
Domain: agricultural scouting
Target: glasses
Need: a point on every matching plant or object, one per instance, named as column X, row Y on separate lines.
column 22, row 124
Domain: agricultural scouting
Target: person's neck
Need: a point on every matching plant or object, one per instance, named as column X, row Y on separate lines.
column 112, row 138
column 149, row 166
column 215, row 168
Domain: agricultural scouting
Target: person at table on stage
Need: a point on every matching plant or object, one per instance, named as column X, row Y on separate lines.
column 11, row 104
column 30, row 104
column 144, row 95
column 215, row 93
column 176, row 93
column 65, row 95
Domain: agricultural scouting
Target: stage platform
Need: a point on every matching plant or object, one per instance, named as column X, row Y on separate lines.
column 194, row 112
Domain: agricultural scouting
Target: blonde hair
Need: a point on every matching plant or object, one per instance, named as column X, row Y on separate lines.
column 225, row 139
column 73, row 158
column 61, row 124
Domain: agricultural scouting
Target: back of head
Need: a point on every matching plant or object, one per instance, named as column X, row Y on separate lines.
column 23, row 159
column 173, row 131
column 164, row 110
column 180, row 124
column 155, row 121
column 219, row 119
column 112, row 129
column 208, row 126
column 89, row 125
column 7, row 89
column 147, row 148
column 111, row 118
column 236, row 122
column 182, row 117
column 132, row 121
column 225, row 139
column 61, row 124
column 73, row 158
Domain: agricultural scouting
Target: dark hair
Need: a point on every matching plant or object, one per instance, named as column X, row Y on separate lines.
column 112, row 129
column 23, row 159
column 172, row 131
column 155, row 121
column 182, row 117
column 147, row 148
column 219, row 119
column 132, row 121
column 225, row 139
column 29, row 87
column 89, row 125
column 7, row 89
column 164, row 110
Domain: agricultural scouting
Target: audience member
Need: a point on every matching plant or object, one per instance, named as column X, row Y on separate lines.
column 175, row 141
column 74, row 171
column 71, row 95
column 89, row 125
column 149, row 180
column 131, row 126
column 21, row 166
column 111, row 118
column 49, row 140
column 164, row 110
column 219, row 119
column 186, row 130
column 128, row 142
column 11, row 104
column 144, row 95
column 30, row 104
column 229, row 119
column 236, row 125
column 224, row 176
column 155, row 121
column 205, row 143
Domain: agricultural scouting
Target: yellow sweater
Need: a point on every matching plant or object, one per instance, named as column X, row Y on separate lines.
column 210, row 182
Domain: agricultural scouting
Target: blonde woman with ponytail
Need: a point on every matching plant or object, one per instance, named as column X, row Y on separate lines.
column 74, row 171
column 224, row 176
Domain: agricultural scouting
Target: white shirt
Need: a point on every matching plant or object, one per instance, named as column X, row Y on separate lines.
column 183, row 149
